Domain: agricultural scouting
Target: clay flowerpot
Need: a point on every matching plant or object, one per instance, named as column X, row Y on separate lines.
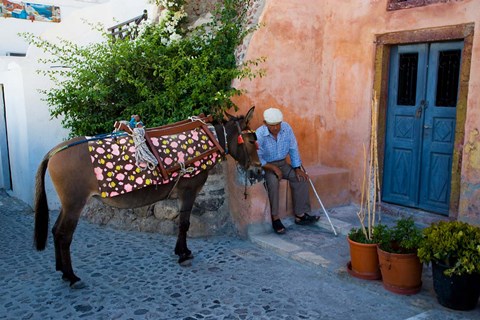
column 364, row 261
column 401, row 272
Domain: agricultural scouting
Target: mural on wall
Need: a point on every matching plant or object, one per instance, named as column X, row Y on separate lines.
column 30, row 11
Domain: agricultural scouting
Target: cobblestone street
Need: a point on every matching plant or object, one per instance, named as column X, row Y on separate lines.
column 131, row 275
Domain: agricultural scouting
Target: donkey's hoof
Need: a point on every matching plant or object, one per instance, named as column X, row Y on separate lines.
column 78, row 285
column 185, row 260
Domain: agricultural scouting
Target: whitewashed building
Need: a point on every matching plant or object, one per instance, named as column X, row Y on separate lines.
column 27, row 131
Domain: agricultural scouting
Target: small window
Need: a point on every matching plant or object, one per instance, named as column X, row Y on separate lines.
column 407, row 79
column 405, row 4
column 16, row 54
column 447, row 79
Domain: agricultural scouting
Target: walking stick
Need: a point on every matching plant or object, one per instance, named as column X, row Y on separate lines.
column 320, row 201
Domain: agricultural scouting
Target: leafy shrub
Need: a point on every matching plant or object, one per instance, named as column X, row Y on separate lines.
column 455, row 244
column 403, row 237
column 162, row 75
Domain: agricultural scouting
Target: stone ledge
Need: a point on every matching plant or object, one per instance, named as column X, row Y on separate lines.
column 210, row 214
column 332, row 185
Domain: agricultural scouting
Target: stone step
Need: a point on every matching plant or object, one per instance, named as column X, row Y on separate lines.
column 332, row 186
column 253, row 212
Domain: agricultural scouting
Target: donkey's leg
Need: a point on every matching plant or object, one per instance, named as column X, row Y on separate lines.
column 187, row 192
column 63, row 234
column 58, row 256
column 181, row 248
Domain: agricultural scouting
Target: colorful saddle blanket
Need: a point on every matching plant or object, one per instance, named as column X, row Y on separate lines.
column 185, row 149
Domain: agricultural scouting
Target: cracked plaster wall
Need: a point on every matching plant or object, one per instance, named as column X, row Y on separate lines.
column 320, row 70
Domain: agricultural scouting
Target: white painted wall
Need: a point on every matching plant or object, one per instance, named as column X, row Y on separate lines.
column 31, row 132
column 10, row 42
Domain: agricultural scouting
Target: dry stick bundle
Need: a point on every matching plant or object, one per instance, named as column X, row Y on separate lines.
column 370, row 196
column 376, row 176
column 372, row 169
column 361, row 213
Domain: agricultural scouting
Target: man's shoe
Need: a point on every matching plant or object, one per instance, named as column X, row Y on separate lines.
column 278, row 226
column 306, row 219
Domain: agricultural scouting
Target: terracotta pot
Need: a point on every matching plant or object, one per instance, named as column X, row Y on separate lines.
column 401, row 273
column 364, row 261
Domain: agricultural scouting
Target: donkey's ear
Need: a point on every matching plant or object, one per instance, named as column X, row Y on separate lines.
column 228, row 115
column 249, row 115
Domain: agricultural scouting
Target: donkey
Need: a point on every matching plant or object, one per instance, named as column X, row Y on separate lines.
column 70, row 168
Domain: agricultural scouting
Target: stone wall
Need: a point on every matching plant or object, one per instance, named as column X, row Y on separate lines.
column 199, row 8
column 210, row 215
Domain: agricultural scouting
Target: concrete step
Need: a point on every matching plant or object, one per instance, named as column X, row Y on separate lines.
column 332, row 186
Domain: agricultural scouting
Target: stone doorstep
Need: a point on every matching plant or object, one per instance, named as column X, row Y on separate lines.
column 332, row 185
column 263, row 236
column 327, row 254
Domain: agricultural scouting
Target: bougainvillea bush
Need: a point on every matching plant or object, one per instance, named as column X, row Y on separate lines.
column 165, row 74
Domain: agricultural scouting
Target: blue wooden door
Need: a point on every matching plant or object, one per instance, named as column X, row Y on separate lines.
column 421, row 115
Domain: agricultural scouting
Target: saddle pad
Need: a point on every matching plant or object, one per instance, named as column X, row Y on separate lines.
column 114, row 165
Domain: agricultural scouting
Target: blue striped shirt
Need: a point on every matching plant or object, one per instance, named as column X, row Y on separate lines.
column 273, row 150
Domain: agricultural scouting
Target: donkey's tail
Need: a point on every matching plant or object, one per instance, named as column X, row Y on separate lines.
column 41, row 206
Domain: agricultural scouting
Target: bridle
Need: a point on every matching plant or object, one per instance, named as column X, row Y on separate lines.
column 241, row 142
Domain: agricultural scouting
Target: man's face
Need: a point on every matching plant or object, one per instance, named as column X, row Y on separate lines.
column 274, row 128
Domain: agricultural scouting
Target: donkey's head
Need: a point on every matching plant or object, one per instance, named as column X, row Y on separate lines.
column 241, row 141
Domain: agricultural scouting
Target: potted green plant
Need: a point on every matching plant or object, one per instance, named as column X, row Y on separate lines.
column 453, row 248
column 399, row 264
column 363, row 262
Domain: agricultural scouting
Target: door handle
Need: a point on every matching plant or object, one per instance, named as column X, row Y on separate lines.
column 418, row 113
column 423, row 105
column 427, row 127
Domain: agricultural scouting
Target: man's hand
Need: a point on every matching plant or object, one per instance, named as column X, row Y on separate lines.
column 301, row 175
column 274, row 169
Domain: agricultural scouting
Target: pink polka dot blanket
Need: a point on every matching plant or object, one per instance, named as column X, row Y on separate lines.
column 183, row 149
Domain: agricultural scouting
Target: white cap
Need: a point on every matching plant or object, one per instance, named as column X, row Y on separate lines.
column 272, row 116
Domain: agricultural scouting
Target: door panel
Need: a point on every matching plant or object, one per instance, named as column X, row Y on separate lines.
column 439, row 125
column 420, row 132
column 406, row 90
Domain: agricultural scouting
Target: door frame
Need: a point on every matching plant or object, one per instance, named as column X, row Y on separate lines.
column 5, row 168
column 383, row 43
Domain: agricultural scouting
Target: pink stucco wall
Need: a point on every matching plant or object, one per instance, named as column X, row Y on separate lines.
column 320, row 71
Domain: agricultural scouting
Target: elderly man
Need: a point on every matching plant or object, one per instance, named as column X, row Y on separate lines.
column 277, row 141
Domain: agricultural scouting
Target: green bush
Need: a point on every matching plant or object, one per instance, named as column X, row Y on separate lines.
column 161, row 77
column 358, row 235
column 455, row 244
column 403, row 237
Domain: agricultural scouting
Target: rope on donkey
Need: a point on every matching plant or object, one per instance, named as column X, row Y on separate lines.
column 142, row 152
column 182, row 171
column 195, row 118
